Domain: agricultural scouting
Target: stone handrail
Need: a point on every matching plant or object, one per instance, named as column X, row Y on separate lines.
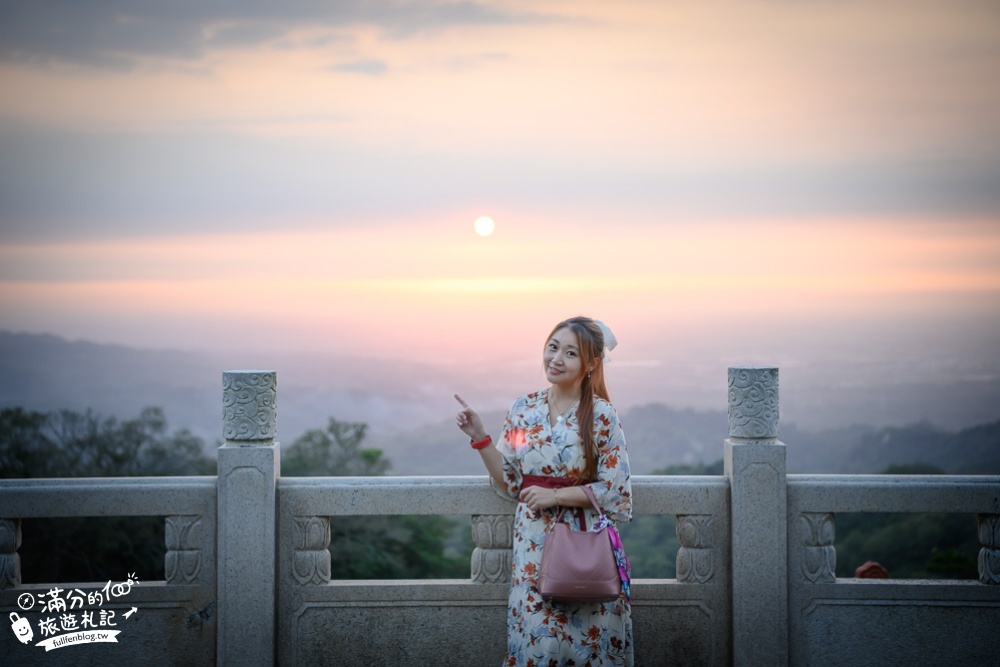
column 106, row 496
column 832, row 619
column 894, row 493
column 468, row 495
column 178, row 613
column 814, row 501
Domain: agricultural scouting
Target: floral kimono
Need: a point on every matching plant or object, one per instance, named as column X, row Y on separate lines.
column 543, row 633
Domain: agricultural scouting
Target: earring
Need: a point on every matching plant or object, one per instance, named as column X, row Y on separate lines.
column 588, row 373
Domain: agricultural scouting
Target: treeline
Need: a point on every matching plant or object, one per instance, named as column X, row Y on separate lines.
column 72, row 444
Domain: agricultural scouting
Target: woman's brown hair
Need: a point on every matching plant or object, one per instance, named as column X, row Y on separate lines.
column 591, row 339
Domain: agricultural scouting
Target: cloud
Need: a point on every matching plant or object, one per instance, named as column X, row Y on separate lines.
column 63, row 184
column 370, row 66
column 114, row 34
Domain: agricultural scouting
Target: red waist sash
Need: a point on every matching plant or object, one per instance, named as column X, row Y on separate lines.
column 547, row 482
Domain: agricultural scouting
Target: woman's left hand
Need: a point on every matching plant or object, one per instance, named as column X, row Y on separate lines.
column 538, row 498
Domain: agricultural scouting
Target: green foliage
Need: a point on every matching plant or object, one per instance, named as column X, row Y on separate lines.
column 651, row 544
column 912, row 545
column 377, row 547
column 72, row 444
column 399, row 547
column 335, row 451
column 909, row 546
column 25, row 450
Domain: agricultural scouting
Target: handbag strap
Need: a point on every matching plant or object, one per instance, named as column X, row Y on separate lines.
column 593, row 501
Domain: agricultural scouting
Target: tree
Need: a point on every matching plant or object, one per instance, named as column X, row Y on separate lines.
column 335, row 452
column 25, row 448
column 73, row 444
column 376, row 547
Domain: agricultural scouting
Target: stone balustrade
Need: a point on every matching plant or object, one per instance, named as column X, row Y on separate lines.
column 248, row 562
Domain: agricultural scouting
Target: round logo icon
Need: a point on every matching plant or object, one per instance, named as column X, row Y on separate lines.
column 25, row 601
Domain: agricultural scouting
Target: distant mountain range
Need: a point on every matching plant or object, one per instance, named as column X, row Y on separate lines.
column 409, row 408
column 659, row 436
column 44, row 372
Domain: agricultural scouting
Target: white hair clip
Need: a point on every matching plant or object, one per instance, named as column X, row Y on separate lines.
column 610, row 342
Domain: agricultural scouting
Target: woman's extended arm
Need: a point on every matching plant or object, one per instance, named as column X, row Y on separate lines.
column 471, row 424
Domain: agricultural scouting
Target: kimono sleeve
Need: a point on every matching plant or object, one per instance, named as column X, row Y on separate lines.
column 613, row 488
column 511, row 439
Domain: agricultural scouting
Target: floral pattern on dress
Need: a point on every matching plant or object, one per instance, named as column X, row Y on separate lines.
column 549, row 634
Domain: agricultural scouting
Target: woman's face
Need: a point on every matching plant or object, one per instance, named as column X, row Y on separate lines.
column 561, row 359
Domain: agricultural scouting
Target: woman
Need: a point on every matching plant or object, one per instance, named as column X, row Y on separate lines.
column 553, row 441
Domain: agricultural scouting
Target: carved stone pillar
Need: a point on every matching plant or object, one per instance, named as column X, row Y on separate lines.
column 182, row 562
column 249, row 464
column 696, row 556
column 492, row 559
column 311, row 554
column 10, row 562
column 753, row 403
column 989, row 555
column 756, row 467
column 249, row 407
column 819, row 556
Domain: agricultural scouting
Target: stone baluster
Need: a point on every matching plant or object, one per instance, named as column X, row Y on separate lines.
column 819, row 556
column 182, row 563
column 755, row 466
column 492, row 558
column 989, row 555
column 311, row 564
column 248, row 471
column 10, row 561
column 696, row 556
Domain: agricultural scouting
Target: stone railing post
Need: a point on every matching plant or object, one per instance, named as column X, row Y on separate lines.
column 696, row 555
column 311, row 562
column 183, row 560
column 493, row 535
column 248, row 470
column 989, row 554
column 755, row 466
column 10, row 561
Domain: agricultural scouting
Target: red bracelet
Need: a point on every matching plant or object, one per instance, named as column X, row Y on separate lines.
column 479, row 444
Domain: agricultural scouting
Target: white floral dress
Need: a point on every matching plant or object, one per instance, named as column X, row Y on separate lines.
column 542, row 633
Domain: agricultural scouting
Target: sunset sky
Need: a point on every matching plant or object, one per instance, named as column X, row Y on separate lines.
column 730, row 180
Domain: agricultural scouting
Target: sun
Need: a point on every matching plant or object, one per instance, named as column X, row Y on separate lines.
column 484, row 225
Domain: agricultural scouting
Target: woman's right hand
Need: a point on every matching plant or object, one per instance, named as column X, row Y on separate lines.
column 469, row 422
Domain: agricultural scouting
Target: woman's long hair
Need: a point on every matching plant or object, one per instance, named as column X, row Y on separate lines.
column 591, row 353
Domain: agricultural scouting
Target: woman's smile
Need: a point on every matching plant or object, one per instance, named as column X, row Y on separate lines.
column 562, row 357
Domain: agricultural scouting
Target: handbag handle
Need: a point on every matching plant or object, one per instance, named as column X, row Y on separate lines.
column 593, row 501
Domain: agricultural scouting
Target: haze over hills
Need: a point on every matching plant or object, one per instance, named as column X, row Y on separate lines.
column 409, row 406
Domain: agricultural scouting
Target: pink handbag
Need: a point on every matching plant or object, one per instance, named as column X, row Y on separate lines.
column 578, row 565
